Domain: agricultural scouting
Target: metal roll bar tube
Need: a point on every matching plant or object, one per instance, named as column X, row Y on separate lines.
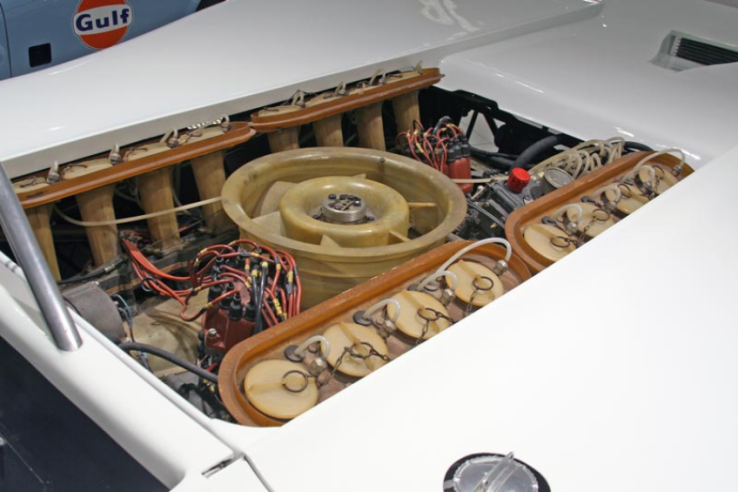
column 28, row 254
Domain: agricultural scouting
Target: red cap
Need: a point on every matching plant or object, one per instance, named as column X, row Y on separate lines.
column 518, row 180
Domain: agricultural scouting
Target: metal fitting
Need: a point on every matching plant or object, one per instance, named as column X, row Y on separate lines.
column 115, row 157
column 360, row 319
column 447, row 296
column 212, row 333
column 291, row 354
column 317, row 366
column 386, row 328
column 54, row 176
column 500, row 267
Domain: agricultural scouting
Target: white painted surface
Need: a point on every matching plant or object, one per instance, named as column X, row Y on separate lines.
column 240, row 55
column 236, row 477
column 611, row 371
column 594, row 79
column 578, row 391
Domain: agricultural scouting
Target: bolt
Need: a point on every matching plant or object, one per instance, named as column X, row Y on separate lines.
column 447, row 296
column 332, row 196
column 317, row 366
column 115, row 158
column 388, row 327
column 212, row 333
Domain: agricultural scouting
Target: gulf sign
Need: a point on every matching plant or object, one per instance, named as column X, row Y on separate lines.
column 100, row 24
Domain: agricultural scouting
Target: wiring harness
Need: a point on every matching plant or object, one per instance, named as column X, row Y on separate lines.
column 262, row 282
column 444, row 147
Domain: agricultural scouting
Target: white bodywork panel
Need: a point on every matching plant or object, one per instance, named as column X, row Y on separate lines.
column 607, row 372
column 611, row 370
column 594, row 78
column 237, row 56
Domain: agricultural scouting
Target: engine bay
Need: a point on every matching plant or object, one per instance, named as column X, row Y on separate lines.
column 260, row 263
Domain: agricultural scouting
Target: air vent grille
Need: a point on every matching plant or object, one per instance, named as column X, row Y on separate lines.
column 703, row 53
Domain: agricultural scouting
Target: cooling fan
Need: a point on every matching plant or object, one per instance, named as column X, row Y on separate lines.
column 345, row 214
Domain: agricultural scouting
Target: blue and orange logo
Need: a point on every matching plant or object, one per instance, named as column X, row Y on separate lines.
column 102, row 23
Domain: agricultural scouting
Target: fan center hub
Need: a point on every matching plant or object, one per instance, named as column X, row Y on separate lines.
column 344, row 208
column 344, row 212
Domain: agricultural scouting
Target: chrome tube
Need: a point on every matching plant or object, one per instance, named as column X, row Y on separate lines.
column 28, row 255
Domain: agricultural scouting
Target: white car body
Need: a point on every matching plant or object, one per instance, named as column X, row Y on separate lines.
column 609, row 371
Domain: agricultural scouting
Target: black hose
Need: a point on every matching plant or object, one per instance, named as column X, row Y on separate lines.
column 527, row 158
column 500, row 155
column 150, row 349
column 637, row 146
column 82, row 278
column 503, row 162
column 93, row 275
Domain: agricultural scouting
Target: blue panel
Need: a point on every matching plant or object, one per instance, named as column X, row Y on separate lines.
column 32, row 24
column 4, row 57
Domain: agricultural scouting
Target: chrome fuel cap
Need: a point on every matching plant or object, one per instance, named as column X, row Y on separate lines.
column 493, row 473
